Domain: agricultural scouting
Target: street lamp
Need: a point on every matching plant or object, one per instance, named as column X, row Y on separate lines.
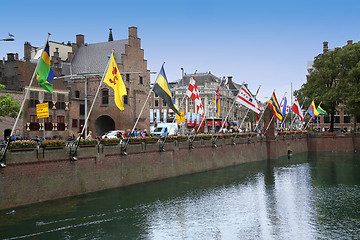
column 7, row 39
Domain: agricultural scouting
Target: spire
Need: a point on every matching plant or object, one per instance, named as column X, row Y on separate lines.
column 110, row 36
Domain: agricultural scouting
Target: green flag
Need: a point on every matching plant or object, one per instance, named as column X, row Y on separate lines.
column 321, row 111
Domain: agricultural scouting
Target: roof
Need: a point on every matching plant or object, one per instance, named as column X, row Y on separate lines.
column 26, row 70
column 93, row 58
column 200, row 78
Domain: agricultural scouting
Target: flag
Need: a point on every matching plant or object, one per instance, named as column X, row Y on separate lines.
column 320, row 110
column 162, row 89
column 45, row 74
column 216, row 100
column 283, row 106
column 297, row 109
column 114, row 80
column 246, row 99
column 312, row 110
column 273, row 103
column 193, row 93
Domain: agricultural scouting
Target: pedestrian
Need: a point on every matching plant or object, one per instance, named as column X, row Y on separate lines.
column 89, row 135
column 145, row 134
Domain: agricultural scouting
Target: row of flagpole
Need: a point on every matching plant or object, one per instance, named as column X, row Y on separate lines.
column 113, row 78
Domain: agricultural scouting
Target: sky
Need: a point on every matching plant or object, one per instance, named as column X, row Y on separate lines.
column 258, row 42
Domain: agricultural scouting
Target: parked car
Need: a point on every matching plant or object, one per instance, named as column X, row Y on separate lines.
column 112, row 134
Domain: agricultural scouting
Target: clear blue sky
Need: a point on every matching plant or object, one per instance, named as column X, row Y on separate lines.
column 261, row 42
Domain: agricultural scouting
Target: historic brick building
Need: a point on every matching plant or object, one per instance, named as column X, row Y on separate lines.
column 16, row 76
column 88, row 64
column 81, row 66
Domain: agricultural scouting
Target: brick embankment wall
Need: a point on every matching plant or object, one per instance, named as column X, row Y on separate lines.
column 33, row 176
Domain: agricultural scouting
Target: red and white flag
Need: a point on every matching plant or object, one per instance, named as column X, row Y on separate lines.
column 297, row 109
column 193, row 93
column 248, row 100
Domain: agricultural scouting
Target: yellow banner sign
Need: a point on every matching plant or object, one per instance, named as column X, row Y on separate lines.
column 42, row 110
column 180, row 118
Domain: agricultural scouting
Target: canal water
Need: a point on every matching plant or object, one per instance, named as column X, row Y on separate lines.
column 309, row 196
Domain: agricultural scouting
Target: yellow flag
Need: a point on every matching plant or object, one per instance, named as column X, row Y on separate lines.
column 180, row 118
column 114, row 80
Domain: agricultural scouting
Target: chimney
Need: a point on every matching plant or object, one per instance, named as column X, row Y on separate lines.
column 133, row 32
column 229, row 80
column 10, row 57
column 325, row 47
column 80, row 40
column 70, row 56
column 27, row 51
column 349, row 42
column 16, row 56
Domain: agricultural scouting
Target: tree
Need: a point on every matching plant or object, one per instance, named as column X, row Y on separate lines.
column 323, row 83
column 8, row 106
column 350, row 63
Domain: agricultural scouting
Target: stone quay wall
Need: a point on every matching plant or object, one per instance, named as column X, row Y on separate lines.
column 41, row 175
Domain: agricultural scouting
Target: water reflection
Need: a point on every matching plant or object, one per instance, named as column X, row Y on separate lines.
column 310, row 196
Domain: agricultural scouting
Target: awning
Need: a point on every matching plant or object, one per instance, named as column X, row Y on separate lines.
column 217, row 123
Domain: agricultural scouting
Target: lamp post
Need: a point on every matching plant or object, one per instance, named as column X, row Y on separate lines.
column 7, row 39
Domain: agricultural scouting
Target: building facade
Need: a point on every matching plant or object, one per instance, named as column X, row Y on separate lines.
column 79, row 68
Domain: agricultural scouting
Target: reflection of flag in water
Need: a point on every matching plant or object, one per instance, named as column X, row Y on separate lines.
column 216, row 100
column 45, row 74
column 274, row 104
column 312, row 110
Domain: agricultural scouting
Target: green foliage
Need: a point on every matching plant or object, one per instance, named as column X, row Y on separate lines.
column 22, row 144
column 335, row 80
column 47, row 143
column 8, row 106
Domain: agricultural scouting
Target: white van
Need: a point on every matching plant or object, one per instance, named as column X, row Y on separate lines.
column 164, row 129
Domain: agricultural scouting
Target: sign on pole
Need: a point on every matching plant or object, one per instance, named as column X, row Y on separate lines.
column 42, row 110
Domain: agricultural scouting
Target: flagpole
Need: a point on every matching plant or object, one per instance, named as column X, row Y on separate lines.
column 192, row 140
column 295, row 117
column 181, row 105
column 73, row 155
column 223, row 123
column 262, row 114
column 272, row 118
column 3, row 159
column 310, row 118
column 138, row 118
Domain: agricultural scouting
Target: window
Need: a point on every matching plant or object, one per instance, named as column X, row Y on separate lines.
column 105, row 96
column 127, row 77
column 141, row 80
column 34, row 99
column 82, row 109
column 156, row 95
column 164, row 103
column 326, row 119
column 60, row 123
column 60, row 104
column 34, row 123
column 156, row 103
column 48, row 99
column 191, row 102
column 48, row 123
column 74, row 123
column 347, row 119
column 77, row 94
column 125, row 97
